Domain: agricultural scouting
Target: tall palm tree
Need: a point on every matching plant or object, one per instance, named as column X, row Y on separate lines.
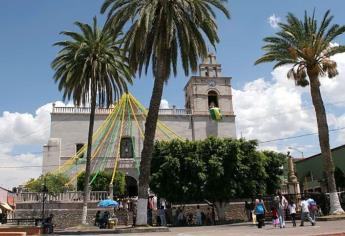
column 307, row 47
column 90, row 67
column 159, row 32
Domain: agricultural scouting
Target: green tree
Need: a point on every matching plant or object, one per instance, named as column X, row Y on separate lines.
column 339, row 178
column 102, row 180
column 306, row 46
column 55, row 183
column 273, row 167
column 214, row 169
column 91, row 67
column 178, row 172
column 160, row 31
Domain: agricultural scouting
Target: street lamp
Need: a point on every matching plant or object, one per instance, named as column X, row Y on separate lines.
column 292, row 148
column 44, row 191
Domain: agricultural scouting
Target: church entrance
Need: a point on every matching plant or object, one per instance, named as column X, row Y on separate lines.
column 131, row 186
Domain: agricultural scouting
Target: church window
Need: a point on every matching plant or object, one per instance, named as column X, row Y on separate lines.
column 126, row 148
column 78, row 147
column 212, row 99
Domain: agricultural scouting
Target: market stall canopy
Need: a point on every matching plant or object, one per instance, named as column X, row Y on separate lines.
column 108, row 203
column 6, row 206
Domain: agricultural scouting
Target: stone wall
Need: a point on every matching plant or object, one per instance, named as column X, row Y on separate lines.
column 69, row 214
column 234, row 212
column 65, row 214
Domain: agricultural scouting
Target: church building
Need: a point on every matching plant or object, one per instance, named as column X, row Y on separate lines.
column 69, row 125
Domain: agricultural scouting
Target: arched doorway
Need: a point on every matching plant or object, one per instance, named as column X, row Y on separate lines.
column 131, row 186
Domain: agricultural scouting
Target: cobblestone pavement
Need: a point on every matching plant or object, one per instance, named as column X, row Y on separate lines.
column 334, row 228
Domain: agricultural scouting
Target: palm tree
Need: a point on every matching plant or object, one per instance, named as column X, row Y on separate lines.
column 307, row 47
column 159, row 32
column 91, row 67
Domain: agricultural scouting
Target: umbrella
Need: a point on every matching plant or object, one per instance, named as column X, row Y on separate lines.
column 108, row 203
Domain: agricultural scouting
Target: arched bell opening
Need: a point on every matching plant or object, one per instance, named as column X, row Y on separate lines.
column 212, row 99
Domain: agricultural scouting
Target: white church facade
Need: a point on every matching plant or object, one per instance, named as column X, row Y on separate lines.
column 69, row 125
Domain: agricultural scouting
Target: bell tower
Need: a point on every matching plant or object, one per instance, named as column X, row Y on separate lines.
column 211, row 89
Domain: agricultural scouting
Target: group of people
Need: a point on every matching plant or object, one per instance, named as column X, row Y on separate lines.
column 199, row 217
column 47, row 223
column 280, row 206
column 102, row 219
column 179, row 216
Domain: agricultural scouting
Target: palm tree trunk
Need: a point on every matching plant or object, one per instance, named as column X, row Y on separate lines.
column 88, row 159
column 335, row 207
column 146, row 153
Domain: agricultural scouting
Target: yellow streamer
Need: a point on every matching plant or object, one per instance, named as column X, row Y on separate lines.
column 99, row 146
column 118, row 147
column 70, row 161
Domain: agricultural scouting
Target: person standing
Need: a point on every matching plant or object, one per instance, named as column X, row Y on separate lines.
column 180, row 217
column 213, row 216
column 48, row 226
column 275, row 220
column 305, row 212
column 161, row 213
column 208, row 217
column 198, row 215
column 150, row 206
column 260, row 211
column 312, row 208
column 247, row 210
column 292, row 212
column 281, row 207
column 0, row 216
column 97, row 218
column 174, row 213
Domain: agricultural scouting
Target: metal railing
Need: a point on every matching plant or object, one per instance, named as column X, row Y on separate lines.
column 105, row 111
column 70, row 196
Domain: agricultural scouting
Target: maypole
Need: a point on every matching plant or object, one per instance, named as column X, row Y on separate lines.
column 118, row 151
column 125, row 117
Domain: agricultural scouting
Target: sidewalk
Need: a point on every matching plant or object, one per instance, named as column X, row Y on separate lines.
column 119, row 230
column 329, row 228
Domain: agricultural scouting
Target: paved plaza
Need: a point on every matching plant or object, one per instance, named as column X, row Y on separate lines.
column 322, row 228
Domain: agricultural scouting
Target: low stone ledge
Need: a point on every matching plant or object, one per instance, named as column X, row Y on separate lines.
column 13, row 233
column 331, row 218
column 115, row 231
column 28, row 230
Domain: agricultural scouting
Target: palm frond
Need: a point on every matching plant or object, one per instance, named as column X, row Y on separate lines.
column 306, row 45
column 161, row 31
column 91, row 63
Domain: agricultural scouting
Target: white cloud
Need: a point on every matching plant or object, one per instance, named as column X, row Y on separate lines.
column 17, row 169
column 273, row 21
column 271, row 109
column 338, row 122
column 164, row 104
column 333, row 89
column 17, row 129
column 276, row 108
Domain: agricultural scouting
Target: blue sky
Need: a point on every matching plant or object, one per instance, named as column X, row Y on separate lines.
column 30, row 27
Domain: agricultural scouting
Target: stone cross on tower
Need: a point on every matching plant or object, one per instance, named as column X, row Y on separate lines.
column 210, row 68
